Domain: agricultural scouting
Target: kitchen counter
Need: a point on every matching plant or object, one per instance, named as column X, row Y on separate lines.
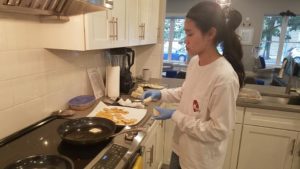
column 264, row 90
column 268, row 90
column 273, row 91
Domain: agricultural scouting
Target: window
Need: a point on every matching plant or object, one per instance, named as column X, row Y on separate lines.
column 280, row 38
column 174, row 46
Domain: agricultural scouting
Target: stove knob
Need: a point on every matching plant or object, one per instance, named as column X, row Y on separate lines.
column 130, row 136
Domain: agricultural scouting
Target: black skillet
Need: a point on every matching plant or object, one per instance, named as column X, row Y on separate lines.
column 86, row 130
column 42, row 161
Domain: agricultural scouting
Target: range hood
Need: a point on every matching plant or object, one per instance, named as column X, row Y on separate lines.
column 54, row 7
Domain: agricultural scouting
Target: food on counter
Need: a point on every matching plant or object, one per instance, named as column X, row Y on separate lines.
column 129, row 103
column 116, row 115
column 249, row 95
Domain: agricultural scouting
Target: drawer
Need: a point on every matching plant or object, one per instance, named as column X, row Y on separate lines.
column 272, row 118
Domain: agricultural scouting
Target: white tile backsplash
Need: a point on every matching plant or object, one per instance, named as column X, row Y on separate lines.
column 6, row 94
column 34, row 81
column 9, row 64
column 20, row 116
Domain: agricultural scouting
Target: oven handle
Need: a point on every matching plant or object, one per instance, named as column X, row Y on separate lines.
column 133, row 159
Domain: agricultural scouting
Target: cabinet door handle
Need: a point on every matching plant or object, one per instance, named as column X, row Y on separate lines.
column 151, row 155
column 117, row 29
column 293, row 146
column 141, row 31
column 144, row 31
column 111, row 28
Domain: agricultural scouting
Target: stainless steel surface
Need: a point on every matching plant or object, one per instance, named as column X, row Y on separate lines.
column 25, row 3
column 11, row 2
column 53, row 4
column 55, row 7
column 128, row 131
column 60, row 5
column 45, row 4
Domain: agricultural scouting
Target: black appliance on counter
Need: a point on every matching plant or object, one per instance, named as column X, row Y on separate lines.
column 42, row 138
column 126, row 62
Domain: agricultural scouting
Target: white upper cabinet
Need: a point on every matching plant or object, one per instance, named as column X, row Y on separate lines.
column 151, row 35
column 129, row 23
column 107, row 29
column 143, row 17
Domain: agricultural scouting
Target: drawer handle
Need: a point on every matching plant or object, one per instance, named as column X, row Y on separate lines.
column 151, row 155
column 293, row 146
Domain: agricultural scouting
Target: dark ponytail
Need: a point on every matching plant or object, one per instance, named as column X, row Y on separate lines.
column 208, row 14
column 232, row 48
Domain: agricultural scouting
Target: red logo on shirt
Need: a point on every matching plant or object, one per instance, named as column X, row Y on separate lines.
column 196, row 107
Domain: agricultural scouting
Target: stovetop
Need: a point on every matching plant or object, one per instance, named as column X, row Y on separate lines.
column 45, row 140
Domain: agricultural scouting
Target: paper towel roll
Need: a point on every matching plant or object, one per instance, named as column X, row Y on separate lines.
column 113, row 81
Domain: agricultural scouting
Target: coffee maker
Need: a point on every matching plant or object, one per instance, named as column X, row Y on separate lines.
column 126, row 61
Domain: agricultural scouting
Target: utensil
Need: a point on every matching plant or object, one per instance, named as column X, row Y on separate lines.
column 89, row 130
column 43, row 161
column 63, row 113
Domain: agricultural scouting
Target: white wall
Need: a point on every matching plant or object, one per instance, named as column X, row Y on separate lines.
column 254, row 9
column 35, row 81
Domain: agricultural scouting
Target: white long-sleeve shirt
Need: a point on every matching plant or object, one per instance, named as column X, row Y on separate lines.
column 206, row 113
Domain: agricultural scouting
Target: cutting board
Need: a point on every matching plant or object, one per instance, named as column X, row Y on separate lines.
column 133, row 113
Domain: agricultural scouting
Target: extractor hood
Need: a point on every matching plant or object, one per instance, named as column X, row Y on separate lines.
column 54, row 7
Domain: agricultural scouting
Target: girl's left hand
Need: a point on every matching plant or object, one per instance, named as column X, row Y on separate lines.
column 164, row 113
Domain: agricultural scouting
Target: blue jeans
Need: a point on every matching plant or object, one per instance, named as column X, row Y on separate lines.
column 174, row 164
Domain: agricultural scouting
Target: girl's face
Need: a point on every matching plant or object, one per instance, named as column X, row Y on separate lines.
column 196, row 42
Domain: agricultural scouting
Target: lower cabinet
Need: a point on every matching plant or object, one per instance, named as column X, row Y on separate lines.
column 261, row 139
column 270, row 140
column 153, row 147
column 266, row 148
column 233, row 148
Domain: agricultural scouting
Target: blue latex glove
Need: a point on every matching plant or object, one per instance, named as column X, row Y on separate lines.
column 164, row 113
column 154, row 94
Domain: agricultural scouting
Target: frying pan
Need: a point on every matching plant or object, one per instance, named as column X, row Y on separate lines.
column 86, row 130
column 89, row 130
column 43, row 161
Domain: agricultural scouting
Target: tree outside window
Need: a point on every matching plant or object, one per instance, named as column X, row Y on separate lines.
column 174, row 45
column 279, row 36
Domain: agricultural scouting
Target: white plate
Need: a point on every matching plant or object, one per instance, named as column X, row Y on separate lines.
column 133, row 113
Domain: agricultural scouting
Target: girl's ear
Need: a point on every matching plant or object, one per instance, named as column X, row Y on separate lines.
column 211, row 34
